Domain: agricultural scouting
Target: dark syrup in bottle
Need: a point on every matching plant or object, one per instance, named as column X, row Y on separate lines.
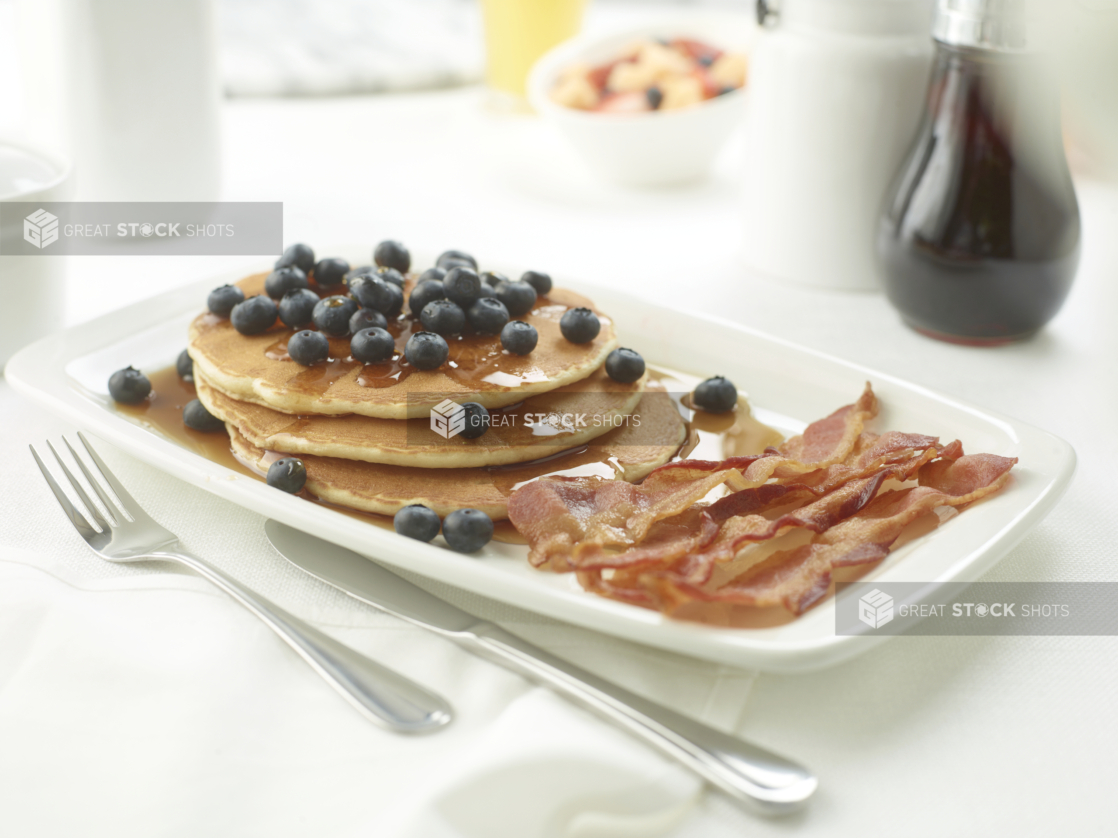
column 980, row 241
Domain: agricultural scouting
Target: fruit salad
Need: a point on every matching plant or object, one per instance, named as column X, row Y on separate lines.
column 652, row 76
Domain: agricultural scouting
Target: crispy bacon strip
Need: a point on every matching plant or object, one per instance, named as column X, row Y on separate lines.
column 717, row 537
column 572, row 522
column 719, row 530
column 872, row 454
column 799, row 578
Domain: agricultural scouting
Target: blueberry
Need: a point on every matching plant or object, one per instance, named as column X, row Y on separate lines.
column 487, row 291
column 308, row 348
column 579, row 325
column 624, row 366
column 705, row 60
column 396, row 302
column 540, row 281
column 331, row 271
column 288, row 474
column 715, row 395
column 456, row 256
column 467, row 530
column 391, row 275
column 184, row 366
column 372, row 346
column 392, row 254
column 285, row 279
column 451, row 264
column 255, row 315
column 196, row 417
column 477, row 421
column 358, row 276
column 299, row 255
column 129, row 386
column 654, row 96
column 363, row 270
column 416, row 521
column 463, row 286
column 222, row 300
column 366, row 318
column 425, row 292
column 297, row 308
column 518, row 297
column 488, row 316
column 426, row 350
column 519, row 337
column 493, row 278
column 432, row 273
column 443, row 317
column 331, row 315
column 373, row 292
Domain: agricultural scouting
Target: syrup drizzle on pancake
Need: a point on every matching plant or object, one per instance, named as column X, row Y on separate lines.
column 475, row 360
column 257, row 368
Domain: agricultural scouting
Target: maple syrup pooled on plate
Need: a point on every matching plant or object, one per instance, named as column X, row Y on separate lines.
column 162, row 412
column 709, row 436
column 716, row 436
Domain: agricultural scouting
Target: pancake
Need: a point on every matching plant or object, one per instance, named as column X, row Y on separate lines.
column 562, row 419
column 256, row 368
column 628, row 453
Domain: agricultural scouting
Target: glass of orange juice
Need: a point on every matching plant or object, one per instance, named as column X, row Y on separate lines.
column 517, row 32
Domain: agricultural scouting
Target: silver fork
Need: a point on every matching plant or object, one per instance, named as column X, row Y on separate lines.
column 378, row 693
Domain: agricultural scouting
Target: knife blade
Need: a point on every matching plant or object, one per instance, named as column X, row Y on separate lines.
column 750, row 774
column 366, row 580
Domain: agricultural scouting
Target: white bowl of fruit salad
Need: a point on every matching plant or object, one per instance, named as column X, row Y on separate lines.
column 647, row 106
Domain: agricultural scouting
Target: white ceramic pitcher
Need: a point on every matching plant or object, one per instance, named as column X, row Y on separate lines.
column 836, row 92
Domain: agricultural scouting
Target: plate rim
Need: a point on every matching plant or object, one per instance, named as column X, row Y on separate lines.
column 38, row 372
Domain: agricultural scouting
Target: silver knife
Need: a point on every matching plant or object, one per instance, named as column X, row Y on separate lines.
column 746, row 772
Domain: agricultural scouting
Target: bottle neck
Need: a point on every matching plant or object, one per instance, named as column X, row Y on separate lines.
column 1013, row 95
column 969, row 23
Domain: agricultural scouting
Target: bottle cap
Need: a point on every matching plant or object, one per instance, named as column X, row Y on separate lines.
column 997, row 25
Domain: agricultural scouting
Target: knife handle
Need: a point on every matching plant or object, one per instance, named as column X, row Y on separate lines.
column 750, row 774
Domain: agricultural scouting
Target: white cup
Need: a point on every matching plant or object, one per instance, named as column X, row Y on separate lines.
column 131, row 90
column 31, row 287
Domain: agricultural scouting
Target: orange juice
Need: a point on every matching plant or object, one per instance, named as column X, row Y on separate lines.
column 517, row 32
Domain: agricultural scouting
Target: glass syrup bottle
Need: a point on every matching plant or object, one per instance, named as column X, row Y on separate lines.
column 979, row 241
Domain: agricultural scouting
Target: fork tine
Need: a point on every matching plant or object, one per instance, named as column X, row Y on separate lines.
column 91, row 508
column 96, row 484
column 72, row 512
column 127, row 502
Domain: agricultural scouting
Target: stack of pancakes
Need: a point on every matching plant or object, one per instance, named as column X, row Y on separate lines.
column 365, row 433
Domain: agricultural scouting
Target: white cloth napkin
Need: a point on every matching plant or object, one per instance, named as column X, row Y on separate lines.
column 154, row 705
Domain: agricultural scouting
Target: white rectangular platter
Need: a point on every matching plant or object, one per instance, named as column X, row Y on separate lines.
column 788, row 387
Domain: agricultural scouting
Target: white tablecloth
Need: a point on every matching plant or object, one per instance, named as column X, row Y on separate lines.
column 920, row 737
